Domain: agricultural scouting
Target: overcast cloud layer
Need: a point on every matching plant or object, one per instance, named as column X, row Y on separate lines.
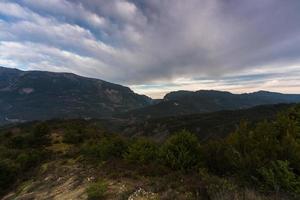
column 156, row 46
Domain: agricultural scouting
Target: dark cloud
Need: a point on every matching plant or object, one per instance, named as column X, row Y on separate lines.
column 142, row 42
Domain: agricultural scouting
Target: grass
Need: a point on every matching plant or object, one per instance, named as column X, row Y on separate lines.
column 96, row 190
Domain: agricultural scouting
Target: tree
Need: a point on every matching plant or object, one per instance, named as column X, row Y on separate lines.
column 40, row 135
column 181, row 151
column 142, row 151
column 278, row 176
column 104, row 149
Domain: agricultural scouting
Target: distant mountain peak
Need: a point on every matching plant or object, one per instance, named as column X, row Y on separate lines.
column 191, row 102
column 265, row 92
column 40, row 95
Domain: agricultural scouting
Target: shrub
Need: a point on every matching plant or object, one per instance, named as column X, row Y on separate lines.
column 142, row 151
column 214, row 154
column 39, row 136
column 181, row 151
column 279, row 177
column 73, row 136
column 29, row 159
column 8, row 170
column 220, row 188
column 217, row 187
column 19, row 142
column 96, row 190
column 106, row 148
column 41, row 129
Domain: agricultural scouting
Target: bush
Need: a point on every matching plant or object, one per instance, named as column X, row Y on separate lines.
column 96, row 190
column 39, row 136
column 105, row 149
column 73, row 136
column 142, row 151
column 8, row 170
column 220, row 188
column 214, row 154
column 29, row 159
column 279, row 177
column 181, row 151
column 19, row 142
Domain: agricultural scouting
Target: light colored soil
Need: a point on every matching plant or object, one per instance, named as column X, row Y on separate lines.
column 64, row 180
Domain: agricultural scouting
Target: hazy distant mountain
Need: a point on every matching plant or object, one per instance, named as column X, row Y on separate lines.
column 187, row 102
column 37, row 95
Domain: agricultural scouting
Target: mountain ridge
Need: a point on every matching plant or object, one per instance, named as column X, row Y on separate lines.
column 40, row 95
column 43, row 95
column 203, row 101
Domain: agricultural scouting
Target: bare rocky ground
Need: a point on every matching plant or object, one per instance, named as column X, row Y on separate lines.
column 55, row 180
column 66, row 180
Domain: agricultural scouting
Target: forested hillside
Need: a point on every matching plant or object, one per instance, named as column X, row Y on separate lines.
column 40, row 95
column 205, row 125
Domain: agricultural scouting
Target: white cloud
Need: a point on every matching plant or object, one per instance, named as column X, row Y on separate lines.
column 42, row 57
column 125, row 9
column 159, row 41
column 15, row 10
column 67, row 10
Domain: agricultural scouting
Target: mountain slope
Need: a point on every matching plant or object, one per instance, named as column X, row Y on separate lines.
column 187, row 102
column 37, row 95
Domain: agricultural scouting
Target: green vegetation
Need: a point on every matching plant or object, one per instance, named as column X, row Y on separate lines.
column 96, row 191
column 207, row 125
column 181, row 151
column 20, row 152
column 142, row 151
column 264, row 157
column 219, row 188
column 73, row 135
column 105, row 148
column 279, row 177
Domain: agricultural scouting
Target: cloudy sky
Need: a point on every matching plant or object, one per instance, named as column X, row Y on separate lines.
column 155, row 46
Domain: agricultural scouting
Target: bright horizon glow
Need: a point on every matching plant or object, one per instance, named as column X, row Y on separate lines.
column 161, row 94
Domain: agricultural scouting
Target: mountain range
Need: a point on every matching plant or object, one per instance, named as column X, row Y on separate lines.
column 40, row 95
column 205, row 101
column 36, row 95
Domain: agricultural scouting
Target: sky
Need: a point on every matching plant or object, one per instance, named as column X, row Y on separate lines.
column 157, row 46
